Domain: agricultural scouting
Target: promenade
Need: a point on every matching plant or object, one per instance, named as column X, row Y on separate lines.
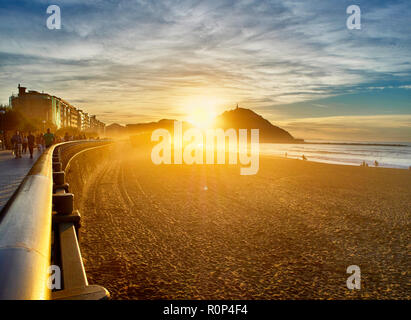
column 12, row 173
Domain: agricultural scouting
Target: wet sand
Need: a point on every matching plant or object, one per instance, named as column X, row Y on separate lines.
column 205, row 232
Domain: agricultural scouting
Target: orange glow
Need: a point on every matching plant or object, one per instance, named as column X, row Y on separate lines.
column 201, row 111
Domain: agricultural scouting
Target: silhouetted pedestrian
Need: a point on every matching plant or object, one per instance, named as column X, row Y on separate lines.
column 17, row 142
column 25, row 144
column 48, row 138
column 39, row 142
column 364, row 164
column 30, row 142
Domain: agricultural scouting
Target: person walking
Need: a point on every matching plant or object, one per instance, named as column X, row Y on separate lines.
column 25, row 144
column 30, row 142
column 39, row 142
column 17, row 141
column 49, row 138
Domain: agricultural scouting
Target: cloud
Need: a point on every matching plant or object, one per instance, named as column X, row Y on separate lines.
column 364, row 128
column 143, row 57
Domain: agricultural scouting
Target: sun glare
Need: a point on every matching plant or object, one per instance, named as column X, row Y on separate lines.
column 202, row 118
column 201, row 112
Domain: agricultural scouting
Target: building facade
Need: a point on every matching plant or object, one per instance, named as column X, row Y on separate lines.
column 48, row 109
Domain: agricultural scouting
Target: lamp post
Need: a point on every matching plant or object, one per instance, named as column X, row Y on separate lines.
column 3, row 143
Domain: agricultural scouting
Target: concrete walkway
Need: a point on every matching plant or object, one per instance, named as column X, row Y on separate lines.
column 12, row 173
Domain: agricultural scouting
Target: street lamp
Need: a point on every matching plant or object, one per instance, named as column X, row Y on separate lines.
column 3, row 143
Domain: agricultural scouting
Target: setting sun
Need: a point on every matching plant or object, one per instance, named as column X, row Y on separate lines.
column 202, row 118
column 201, row 111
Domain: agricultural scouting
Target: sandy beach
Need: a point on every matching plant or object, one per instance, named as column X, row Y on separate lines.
column 206, row 232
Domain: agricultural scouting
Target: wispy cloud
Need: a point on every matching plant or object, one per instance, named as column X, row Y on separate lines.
column 144, row 57
column 367, row 128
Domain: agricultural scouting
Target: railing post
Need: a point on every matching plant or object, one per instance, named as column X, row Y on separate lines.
column 66, row 224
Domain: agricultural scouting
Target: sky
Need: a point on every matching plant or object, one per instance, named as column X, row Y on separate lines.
column 294, row 62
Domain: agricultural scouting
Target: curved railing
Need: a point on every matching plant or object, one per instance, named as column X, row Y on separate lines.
column 30, row 231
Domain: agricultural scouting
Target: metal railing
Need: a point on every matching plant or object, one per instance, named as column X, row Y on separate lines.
column 25, row 235
column 30, row 231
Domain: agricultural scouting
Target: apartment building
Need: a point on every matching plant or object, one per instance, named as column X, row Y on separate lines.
column 53, row 110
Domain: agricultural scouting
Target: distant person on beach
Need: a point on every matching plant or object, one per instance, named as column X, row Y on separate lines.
column 303, row 157
column 17, row 141
column 285, row 154
column 376, row 164
column 48, row 138
column 30, row 142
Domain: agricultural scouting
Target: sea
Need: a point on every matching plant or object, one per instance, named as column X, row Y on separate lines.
column 387, row 154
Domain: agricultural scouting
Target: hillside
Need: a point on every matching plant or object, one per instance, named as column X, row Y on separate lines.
column 241, row 118
column 167, row 124
column 115, row 129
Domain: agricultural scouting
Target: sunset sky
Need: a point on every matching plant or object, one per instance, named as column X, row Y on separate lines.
column 293, row 62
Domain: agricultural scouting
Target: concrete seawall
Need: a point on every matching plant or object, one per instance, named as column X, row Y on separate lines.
column 82, row 166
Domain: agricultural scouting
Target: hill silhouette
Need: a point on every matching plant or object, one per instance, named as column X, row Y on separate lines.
column 241, row 118
column 115, row 129
column 167, row 124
